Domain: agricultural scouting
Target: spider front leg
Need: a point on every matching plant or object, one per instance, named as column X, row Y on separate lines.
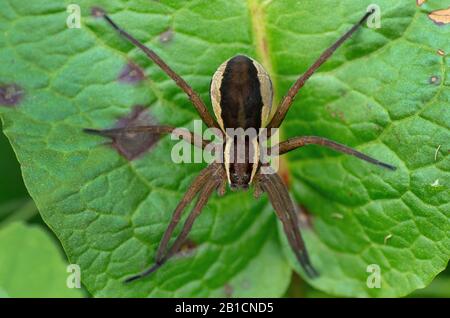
column 288, row 99
column 155, row 129
column 297, row 142
column 204, row 185
column 179, row 81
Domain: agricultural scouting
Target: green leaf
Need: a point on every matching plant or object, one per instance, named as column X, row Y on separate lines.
column 31, row 264
column 377, row 94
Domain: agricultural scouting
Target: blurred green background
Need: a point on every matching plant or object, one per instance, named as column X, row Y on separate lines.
column 32, row 261
column 42, row 255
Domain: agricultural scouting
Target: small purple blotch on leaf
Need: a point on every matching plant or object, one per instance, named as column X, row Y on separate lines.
column 10, row 94
column 133, row 145
column 97, row 12
column 130, row 145
column 131, row 73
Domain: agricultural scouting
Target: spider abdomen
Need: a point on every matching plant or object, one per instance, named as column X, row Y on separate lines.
column 241, row 94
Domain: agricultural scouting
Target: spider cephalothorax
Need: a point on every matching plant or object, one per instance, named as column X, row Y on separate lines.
column 241, row 95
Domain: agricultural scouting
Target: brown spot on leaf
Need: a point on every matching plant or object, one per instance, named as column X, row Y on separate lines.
column 435, row 80
column 97, row 12
column 166, row 36
column 246, row 284
column 440, row 17
column 420, row 2
column 441, row 52
column 131, row 73
column 228, row 290
column 187, row 247
column 133, row 145
column 342, row 116
column 10, row 94
column 335, row 114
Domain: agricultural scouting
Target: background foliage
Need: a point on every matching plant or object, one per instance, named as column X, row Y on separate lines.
column 385, row 92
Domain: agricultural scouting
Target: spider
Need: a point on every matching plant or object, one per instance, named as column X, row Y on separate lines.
column 241, row 94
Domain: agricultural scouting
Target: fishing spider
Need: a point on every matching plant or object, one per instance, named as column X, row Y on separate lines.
column 241, row 94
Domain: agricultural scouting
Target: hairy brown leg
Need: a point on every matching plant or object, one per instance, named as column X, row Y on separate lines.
column 193, row 96
column 293, row 217
column 297, row 142
column 159, row 130
column 201, row 202
column 190, row 194
column 207, row 183
column 284, row 208
column 287, row 100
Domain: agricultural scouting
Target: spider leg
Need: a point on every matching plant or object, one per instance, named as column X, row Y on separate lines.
column 193, row 96
column 207, row 186
column 201, row 202
column 193, row 190
column 158, row 130
column 284, row 208
column 289, row 98
column 297, row 142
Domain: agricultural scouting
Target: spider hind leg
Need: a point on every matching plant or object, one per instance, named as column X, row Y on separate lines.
column 204, row 186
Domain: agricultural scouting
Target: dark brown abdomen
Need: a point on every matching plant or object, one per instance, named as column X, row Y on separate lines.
column 241, row 101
